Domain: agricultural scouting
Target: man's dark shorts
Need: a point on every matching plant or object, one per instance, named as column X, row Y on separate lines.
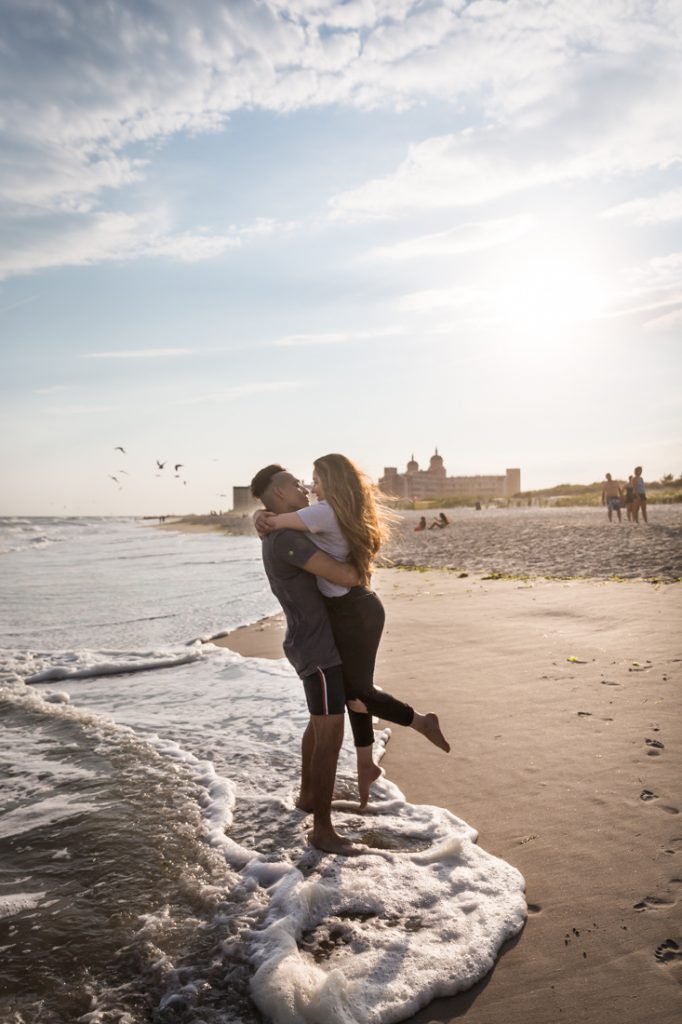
column 324, row 691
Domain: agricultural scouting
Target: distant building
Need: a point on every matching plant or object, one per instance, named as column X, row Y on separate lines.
column 434, row 482
column 243, row 500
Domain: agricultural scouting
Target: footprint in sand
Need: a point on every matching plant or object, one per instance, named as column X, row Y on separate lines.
column 673, row 846
column 668, row 951
column 653, row 903
column 647, row 796
column 655, row 747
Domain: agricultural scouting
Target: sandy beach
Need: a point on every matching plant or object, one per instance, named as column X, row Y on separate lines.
column 562, row 703
column 555, row 542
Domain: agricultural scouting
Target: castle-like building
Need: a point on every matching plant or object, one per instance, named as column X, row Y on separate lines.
column 435, row 483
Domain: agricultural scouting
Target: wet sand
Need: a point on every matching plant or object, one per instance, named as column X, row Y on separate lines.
column 562, row 701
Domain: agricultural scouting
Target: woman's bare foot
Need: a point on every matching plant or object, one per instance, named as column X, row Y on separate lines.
column 368, row 772
column 429, row 727
column 331, row 842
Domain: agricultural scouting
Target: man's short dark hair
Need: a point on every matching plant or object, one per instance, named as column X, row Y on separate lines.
column 263, row 479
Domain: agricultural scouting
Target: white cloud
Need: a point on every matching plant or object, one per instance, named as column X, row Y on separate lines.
column 261, row 387
column 79, row 240
column 51, row 390
column 660, row 275
column 658, row 209
column 336, row 337
column 438, row 298
column 559, row 91
column 647, row 288
column 478, row 166
column 460, row 239
column 80, row 410
column 668, row 322
column 83, row 81
column 18, row 303
column 143, row 353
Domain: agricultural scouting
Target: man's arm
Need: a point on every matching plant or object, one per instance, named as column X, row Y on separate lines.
column 322, row 564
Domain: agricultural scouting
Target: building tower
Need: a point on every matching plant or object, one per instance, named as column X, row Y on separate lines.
column 436, row 467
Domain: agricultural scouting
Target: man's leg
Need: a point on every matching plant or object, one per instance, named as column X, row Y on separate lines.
column 305, row 796
column 328, row 736
column 643, row 507
column 326, row 699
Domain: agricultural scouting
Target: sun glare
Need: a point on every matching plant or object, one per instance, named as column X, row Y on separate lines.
column 548, row 289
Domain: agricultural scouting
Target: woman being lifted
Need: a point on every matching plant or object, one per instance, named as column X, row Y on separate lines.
column 348, row 524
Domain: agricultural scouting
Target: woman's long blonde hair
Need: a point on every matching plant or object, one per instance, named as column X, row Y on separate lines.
column 363, row 521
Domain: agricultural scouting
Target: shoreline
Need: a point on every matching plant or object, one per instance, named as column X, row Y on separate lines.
column 561, row 699
column 232, row 524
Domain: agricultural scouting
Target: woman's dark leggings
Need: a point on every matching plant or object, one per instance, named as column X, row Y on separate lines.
column 357, row 621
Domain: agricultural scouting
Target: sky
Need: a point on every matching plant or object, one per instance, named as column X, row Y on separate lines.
column 256, row 231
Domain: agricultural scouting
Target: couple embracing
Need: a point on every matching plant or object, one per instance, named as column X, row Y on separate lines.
column 319, row 560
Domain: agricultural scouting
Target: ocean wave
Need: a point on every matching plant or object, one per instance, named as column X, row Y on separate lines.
column 28, row 544
column 46, row 667
column 291, row 927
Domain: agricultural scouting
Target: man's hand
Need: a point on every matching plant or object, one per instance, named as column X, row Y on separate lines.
column 261, row 519
column 322, row 564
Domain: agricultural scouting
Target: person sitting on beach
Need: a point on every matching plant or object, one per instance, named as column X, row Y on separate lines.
column 611, row 495
column 639, row 503
column 348, row 524
column 440, row 523
column 421, row 525
column 293, row 565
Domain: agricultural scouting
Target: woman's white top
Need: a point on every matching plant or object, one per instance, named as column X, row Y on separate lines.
column 320, row 519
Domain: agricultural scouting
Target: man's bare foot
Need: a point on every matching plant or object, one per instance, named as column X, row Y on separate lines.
column 429, row 727
column 330, row 841
column 367, row 774
column 304, row 802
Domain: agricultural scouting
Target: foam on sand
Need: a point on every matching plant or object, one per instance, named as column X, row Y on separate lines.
column 375, row 938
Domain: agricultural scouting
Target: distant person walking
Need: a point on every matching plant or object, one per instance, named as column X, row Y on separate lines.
column 639, row 504
column 629, row 497
column 611, row 495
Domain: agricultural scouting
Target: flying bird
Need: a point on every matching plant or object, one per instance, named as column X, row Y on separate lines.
column 114, row 478
column 178, row 466
column 160, row 464
column 119, row 449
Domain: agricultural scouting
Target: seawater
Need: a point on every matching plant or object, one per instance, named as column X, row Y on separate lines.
column 153, row 866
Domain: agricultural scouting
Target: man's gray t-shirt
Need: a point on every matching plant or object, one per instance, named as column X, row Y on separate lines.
column 309, row 642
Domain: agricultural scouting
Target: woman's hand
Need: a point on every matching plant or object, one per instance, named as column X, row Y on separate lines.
column 262, row 520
